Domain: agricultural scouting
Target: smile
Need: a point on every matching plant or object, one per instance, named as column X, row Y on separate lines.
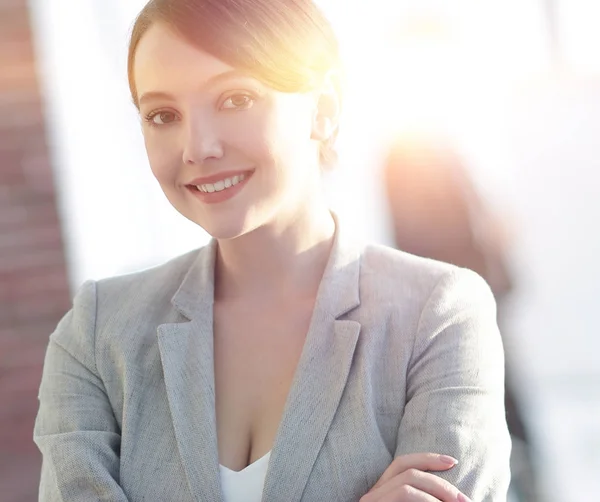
column 220, row 185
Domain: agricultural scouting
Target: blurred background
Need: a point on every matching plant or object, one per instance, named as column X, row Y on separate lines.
column 470, row 134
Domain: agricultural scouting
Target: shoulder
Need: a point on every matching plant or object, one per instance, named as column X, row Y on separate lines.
column 158, row 281
column 142, row 295
column 412, row 283
column 131, row 303
column 442, row 308
column 397, row 271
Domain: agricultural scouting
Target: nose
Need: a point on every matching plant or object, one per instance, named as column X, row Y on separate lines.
column 202, row 142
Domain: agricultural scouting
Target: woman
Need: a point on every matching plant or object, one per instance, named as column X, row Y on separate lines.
column 282, row 362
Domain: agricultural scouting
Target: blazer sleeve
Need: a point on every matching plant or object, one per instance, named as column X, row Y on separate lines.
column 455, row 388
column 75, row 428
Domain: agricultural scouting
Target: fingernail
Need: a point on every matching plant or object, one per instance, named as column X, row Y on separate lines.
column 448, row 460
column 463, row 498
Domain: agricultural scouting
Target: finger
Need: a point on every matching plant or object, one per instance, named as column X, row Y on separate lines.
column 425, row 482
column 404, row 493
column 421, row 461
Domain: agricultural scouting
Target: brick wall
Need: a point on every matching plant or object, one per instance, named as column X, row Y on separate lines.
column 33, row 281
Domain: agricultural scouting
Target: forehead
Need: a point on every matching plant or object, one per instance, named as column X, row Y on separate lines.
column 165, row 61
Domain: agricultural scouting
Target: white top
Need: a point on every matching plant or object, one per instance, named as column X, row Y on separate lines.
column 245, row 485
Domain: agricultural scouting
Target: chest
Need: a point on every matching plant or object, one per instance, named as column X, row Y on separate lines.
column 164, row 403
column 256, row 353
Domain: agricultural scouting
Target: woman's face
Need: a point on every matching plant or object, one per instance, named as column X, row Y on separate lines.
column 230, row 153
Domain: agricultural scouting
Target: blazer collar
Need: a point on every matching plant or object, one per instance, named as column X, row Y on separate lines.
column 195, row 295
column 187, row 357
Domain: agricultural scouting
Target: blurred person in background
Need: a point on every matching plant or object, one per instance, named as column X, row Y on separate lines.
column 282, row 362
column 437, row 212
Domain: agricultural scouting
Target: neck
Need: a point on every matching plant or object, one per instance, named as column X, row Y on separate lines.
column 278, row 258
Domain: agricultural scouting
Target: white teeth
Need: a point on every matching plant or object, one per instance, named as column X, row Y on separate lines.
column 221, row 185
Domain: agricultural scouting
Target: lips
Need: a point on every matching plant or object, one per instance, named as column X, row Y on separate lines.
column 219, row 187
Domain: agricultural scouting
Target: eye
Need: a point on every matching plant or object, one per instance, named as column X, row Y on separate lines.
column 161, row 118
column 238, row 102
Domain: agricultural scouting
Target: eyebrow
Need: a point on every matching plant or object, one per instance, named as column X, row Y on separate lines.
column 215, row 79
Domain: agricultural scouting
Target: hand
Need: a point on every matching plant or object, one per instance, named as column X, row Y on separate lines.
column 405, row 480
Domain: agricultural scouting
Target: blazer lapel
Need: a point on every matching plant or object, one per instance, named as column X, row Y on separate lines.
column 320, row 377
column 187, row 355
column 186, row 350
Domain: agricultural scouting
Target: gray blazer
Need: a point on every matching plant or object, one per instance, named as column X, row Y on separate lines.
column 403, row 355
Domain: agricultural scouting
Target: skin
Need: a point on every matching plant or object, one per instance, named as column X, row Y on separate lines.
column 201, row 118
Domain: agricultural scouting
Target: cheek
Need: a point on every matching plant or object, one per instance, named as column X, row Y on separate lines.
column 252, row 134
column 163, row 155
column 279, row 129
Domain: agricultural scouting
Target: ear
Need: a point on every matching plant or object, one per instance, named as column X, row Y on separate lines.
column 325, row 120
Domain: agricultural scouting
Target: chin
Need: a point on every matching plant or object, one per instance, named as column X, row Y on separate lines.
column 225, row 228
